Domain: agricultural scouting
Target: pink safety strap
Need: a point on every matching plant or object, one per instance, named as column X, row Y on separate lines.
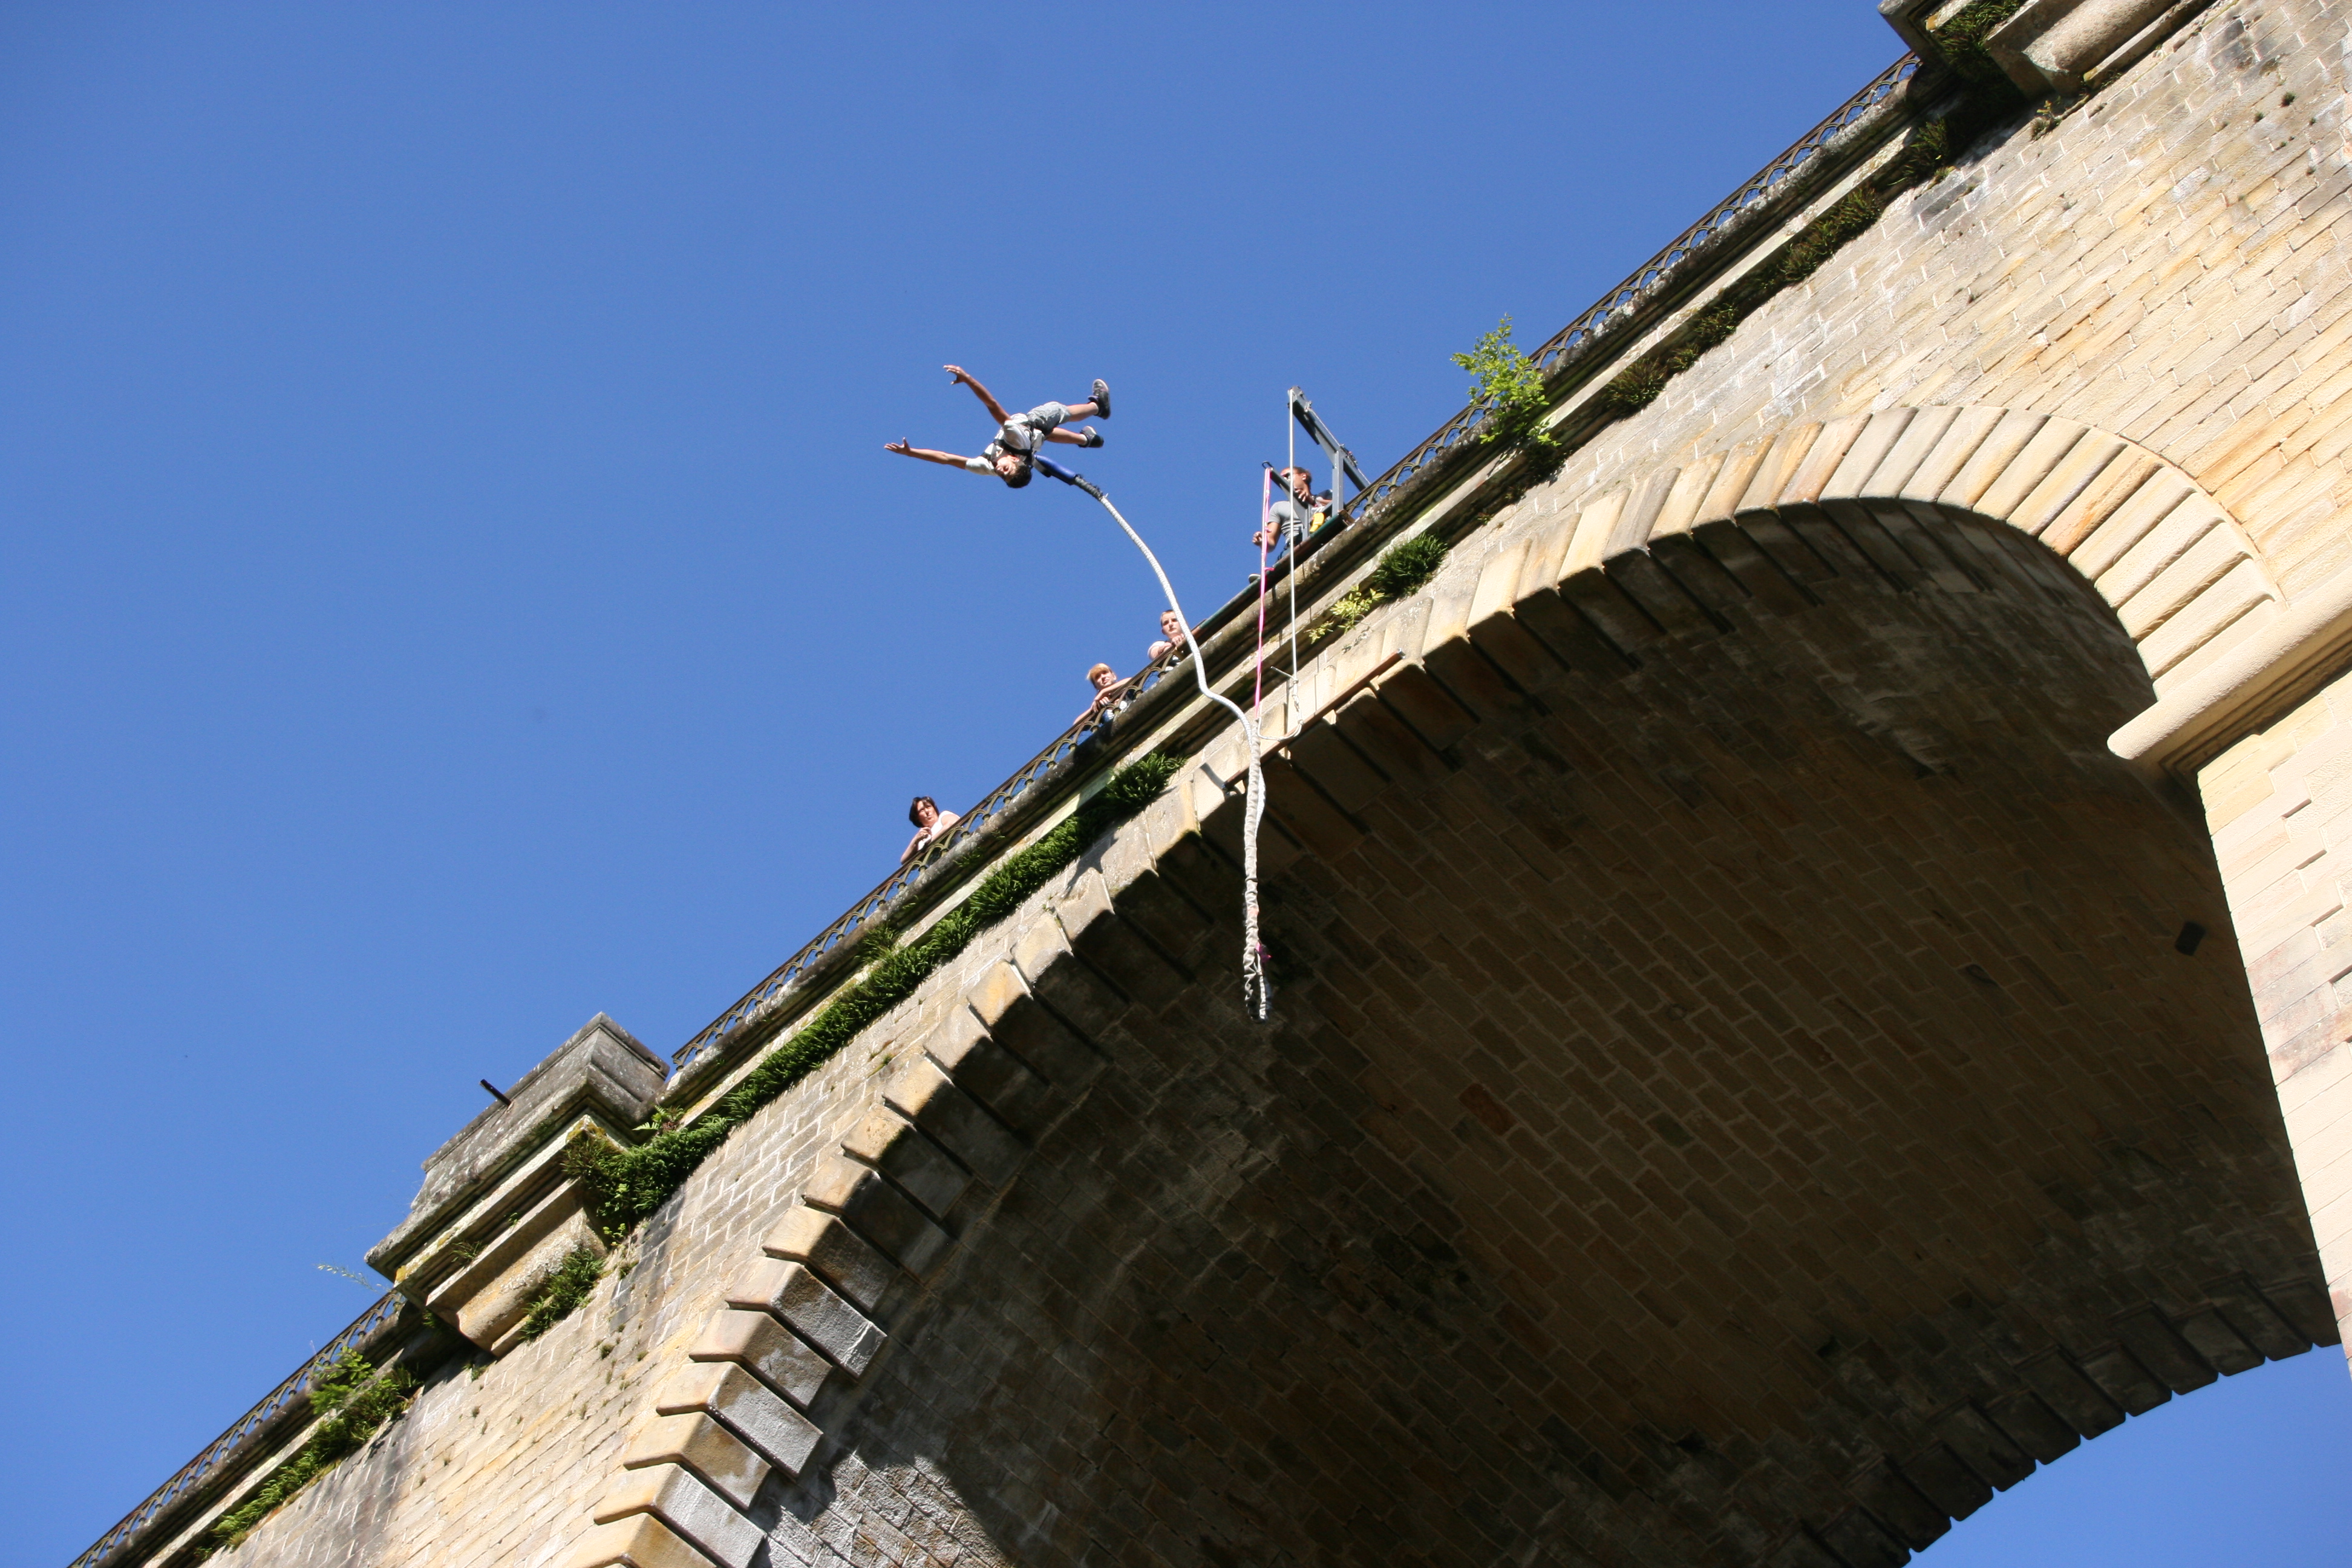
column 1264, row 538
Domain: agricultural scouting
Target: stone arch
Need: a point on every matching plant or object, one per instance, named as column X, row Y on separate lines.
column 2184, row 579
column 1966, row 499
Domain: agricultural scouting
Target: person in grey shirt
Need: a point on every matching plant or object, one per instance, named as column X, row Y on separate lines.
column 1297, row 512
column 1012, row 456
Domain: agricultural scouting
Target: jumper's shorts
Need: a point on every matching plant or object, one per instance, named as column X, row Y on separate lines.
column 1044, row 418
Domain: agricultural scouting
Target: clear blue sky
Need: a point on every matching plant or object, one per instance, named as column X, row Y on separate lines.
column 450, row 583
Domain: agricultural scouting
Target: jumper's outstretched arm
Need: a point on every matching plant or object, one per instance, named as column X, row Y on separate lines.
column 995, row 409
column 926, row 452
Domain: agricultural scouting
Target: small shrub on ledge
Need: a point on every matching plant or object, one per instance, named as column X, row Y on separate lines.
column 1511, row 387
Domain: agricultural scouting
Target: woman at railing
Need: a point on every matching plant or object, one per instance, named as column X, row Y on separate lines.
column 931, row 825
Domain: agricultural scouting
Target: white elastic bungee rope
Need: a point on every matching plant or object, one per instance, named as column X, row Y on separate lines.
column 1257, row 991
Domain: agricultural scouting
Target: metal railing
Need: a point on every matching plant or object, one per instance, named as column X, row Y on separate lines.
column 256, row 1427
column 1046, row 764
column 1644, row 281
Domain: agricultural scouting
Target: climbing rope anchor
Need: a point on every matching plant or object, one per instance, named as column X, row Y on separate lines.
column 1257, row 990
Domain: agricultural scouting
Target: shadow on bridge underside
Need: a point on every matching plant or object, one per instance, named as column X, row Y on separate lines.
column 1738, row 1107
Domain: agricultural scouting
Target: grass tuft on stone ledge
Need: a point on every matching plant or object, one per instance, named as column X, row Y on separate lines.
column 564, row 1288
column 1403, row 569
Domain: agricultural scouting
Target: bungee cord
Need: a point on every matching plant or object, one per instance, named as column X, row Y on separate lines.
column 1297, row 526
column 1257, row 990
column 1265, row 548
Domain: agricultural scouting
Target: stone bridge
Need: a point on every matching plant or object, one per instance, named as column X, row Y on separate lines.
column 1807, row 959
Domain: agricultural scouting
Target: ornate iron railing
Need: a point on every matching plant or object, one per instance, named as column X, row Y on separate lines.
column 1644, row 281
column 1046, row 764
column 253, row 1429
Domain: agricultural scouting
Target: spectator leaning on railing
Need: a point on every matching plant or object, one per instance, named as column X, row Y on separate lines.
column 1109, row 692
column 1172, row 636
column 1295, row 514
column 931, row 825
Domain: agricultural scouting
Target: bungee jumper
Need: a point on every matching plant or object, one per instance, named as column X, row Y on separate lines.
column 1012, row 454
column 1015, row 457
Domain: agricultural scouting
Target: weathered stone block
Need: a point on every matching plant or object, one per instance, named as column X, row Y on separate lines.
column 1113, row 947
column 1056, row 977
column 1014, row 1016
column 676, row 1497
column 989, row 1073
column 2070, row 1394
column 1427, row 706
column 926, row 1097
column 877, row 1210
column 811, row 1308
column 639, row 1541
column 844, row 1257
column 780, row 1358
column 1983, row 1446
column 747, row 1407
column 723, row 1462
column 1336, row 767
column 1155, row 906
column 921, row 1168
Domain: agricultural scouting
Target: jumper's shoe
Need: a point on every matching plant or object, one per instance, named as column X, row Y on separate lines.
column 1090, row 436
column 1102, row 397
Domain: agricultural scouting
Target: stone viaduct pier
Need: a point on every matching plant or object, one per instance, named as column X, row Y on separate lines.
column 1810, row 958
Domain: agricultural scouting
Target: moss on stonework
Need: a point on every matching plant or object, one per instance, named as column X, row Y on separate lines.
column 354, row 1402
column 1962, row 37
column 1635, row 388
column 1848, row 216
column 1405, row 568
column 565, row 1289
column 623, row 1185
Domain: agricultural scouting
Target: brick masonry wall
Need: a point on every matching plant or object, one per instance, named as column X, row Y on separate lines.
column 2280, row 802
column 1738, row 1106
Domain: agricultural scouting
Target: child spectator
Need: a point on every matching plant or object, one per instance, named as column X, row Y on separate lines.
column 931, row 825
column 1010, row 457
column 1108, row 689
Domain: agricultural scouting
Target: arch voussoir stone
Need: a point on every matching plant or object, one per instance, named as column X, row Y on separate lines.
column 1879, row 493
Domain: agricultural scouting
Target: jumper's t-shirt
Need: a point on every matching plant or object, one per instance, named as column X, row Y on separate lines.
column 1016, row 436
